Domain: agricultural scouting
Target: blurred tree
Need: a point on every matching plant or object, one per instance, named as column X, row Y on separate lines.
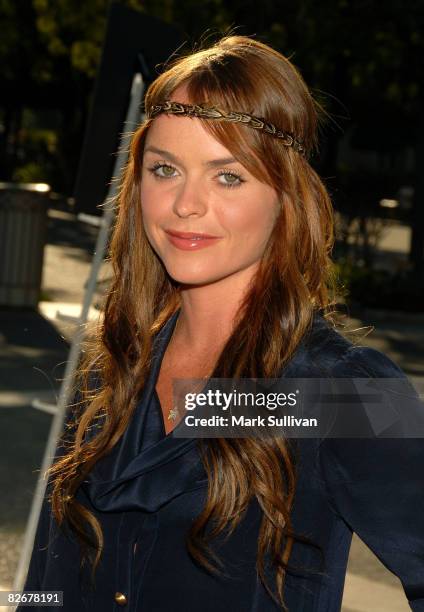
column 41, row 68
column 72, row 33
column 18, row 44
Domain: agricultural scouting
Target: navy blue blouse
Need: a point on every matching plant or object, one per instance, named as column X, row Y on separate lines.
column 148, row 490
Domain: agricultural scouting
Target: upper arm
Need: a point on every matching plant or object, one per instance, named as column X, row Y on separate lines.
column 377, row 484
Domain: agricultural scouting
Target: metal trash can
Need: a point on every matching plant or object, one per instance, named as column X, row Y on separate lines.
column 23, row 226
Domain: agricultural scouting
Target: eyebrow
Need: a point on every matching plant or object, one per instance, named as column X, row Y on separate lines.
column 212, row 163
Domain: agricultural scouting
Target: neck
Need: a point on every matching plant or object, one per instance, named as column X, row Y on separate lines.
column 208, row 312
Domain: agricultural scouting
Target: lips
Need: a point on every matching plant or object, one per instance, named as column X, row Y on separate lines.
column 190, row 241
column 189, row 235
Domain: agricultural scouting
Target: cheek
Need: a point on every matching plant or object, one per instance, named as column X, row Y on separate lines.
column 253, row 219
column 149, row 209
column 149, row 218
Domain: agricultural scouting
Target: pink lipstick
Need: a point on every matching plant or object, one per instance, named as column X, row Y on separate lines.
column 190, row 241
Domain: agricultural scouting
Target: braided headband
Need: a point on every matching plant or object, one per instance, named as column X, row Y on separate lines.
column 200, row 110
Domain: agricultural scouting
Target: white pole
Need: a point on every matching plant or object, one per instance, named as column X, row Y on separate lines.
column 132, row 120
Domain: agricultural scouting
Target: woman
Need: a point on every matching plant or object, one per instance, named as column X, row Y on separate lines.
column 221, row 269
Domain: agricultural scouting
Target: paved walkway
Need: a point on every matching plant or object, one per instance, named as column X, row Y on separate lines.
column 33, row 349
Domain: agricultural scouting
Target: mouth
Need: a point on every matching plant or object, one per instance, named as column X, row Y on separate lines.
column 190, row 241
column 190, row 235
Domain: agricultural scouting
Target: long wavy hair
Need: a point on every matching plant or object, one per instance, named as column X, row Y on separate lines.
column 294, row 279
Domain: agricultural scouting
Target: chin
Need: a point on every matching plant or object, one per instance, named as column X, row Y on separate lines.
column 193, row 276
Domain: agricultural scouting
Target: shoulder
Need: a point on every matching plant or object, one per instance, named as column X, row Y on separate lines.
column 324, row 351
column 367, row 362
column 396, row 421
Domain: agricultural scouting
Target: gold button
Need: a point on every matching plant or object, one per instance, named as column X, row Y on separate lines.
column 120, row 599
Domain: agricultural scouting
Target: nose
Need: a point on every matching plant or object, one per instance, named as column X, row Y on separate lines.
column 190, row 199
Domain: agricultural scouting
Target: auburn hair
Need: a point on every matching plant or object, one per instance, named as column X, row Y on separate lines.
column 294, row 279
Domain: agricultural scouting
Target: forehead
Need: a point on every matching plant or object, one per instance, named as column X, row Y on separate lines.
column 183, row 133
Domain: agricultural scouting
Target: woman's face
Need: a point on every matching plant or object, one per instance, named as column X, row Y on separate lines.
column 205, row 215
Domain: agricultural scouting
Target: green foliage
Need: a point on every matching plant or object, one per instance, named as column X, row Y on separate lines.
column 32, row 172
column 73, row 32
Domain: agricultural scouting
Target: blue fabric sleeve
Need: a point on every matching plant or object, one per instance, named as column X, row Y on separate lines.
column 376, row 485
